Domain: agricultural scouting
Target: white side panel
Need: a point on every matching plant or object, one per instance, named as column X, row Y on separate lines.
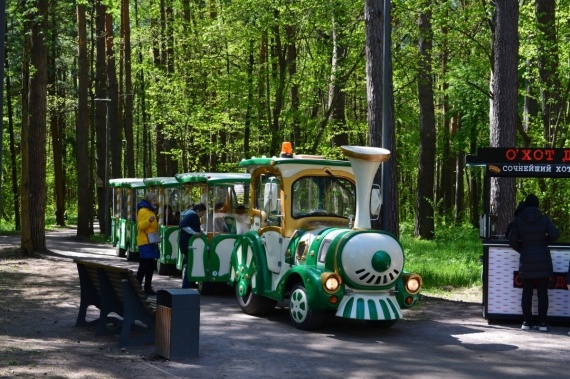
column 503, row 297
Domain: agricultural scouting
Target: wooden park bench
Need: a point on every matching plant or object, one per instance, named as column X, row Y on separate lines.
column 114, row 289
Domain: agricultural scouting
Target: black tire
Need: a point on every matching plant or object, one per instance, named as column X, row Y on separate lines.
column 120, row 252
column 300, row 312
column 381, row 324
column 253, row 304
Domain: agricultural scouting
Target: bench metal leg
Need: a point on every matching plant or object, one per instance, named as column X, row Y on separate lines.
column 134, row 311
column 110, row 303
column 89, row 296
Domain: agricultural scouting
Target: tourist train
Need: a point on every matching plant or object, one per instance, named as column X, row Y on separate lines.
column 293, row 229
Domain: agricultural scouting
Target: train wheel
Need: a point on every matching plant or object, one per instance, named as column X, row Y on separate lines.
column 244, row 268
column 302, row 316
column 253, row 304
column 120, row 252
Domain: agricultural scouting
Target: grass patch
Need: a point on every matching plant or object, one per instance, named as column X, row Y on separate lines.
column 451, row 259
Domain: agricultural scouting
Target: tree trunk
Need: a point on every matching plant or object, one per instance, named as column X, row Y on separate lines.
column 114, row 124
column 548, row 61
column 113, row 136
column 36, row 140
column 142, row 136
column 530, row 103
column 12, row 142
column 459, row 176
column 280, row 73
column 250, row 105
column 424, row 222
column 294, row 91
column 337, row 97
column 130, row 152
column 159, row 58
column 504, row 103
column 56, row 130
column 373, row 20
column 82, row 129
column 448, row 170
column 25, row 181
column 171, row 145
column 100, row 112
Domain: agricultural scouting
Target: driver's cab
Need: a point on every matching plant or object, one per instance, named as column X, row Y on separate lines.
column 290, row 195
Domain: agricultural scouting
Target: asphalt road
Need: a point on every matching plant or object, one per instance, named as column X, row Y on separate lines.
column 437, row 339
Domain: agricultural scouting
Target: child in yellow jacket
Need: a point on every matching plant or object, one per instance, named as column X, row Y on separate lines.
column 147, row 226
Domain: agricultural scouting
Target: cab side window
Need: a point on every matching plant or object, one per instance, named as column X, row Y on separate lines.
column 268, row 200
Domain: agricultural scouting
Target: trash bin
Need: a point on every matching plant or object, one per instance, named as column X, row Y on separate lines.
column 177, row 322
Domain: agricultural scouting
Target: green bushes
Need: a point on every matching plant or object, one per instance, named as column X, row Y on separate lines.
column 451, row 259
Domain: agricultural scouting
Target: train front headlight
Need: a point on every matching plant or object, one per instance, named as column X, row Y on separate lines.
column 413, row 283
column 331, row 282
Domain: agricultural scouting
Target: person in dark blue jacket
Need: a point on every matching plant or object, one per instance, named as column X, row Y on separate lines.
column 189, row 226
column 530, row 235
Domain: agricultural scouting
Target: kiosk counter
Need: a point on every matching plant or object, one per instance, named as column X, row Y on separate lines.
column 502, row 289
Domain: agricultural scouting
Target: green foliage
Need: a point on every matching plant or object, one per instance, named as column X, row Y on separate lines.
column 202, row 79
column 451, row 259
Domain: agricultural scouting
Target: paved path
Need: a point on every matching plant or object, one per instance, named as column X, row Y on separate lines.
column 438, row 339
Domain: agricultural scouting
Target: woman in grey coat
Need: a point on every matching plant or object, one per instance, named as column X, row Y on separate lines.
column 530, row 235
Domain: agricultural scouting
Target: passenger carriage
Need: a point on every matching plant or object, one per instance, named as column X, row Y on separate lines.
column 225, row 196
column 126, row 192
column 168, row 212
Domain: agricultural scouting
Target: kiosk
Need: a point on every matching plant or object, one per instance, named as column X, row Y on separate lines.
column 502, row 289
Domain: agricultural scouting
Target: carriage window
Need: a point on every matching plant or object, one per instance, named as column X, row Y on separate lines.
column 323, row 196
column 172, row 208
column 269, row 199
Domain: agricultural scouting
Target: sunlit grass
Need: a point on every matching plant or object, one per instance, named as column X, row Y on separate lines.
column 452, row 259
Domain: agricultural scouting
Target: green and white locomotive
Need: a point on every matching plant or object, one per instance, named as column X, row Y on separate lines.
column 310, row 242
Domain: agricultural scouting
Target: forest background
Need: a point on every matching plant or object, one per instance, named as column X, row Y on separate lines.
column 104, row 89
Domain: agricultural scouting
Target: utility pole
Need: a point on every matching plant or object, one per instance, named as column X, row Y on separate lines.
column 107, row 228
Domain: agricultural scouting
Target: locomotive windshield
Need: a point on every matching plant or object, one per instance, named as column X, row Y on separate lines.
column 323, row 196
